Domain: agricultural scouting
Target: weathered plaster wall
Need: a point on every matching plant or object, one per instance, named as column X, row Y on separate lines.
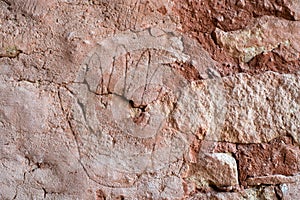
column 147, row 99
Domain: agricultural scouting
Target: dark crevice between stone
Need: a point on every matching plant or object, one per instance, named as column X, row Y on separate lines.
column 140, row 116
column 235, row 156
column 11, row 53
column 133, row 105
column 214, row 37
column 278, row 192
column 45, row 192
column 220, row 189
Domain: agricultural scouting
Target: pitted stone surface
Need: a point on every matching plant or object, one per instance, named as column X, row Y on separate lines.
column 217, row 170
column 147, row 99
column 261, row 108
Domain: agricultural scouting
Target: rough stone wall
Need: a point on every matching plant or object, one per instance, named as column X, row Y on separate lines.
column 146, row 99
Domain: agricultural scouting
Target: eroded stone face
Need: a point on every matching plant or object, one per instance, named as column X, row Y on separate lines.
column 261, row 108
column 149, row 100
column 251, row 28
column 217, row 170
column 267, row 34
column 241, row 108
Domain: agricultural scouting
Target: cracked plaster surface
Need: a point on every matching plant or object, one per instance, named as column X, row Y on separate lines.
column 115, row 100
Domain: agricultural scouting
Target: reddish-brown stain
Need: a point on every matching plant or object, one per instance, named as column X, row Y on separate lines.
column 199, row 19
column 279, row 156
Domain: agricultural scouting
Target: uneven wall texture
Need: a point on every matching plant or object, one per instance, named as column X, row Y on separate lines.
column 147, row 99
